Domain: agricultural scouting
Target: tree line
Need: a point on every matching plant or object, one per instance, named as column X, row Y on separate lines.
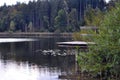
column 46, row 15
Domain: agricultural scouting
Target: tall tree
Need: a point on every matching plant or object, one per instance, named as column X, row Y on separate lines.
column 61, row 21
column 46, row 23
column 35, row 11
column 30, row 27
column 73, row 21
column 12, row 26
column 93, row 17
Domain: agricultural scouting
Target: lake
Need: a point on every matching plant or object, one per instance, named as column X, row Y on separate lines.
column 22, row 59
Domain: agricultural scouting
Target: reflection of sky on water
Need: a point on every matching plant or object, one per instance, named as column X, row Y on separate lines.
column 6, row 40
column 23, row 71
column 20, row 61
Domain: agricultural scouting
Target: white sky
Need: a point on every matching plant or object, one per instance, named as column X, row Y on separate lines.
column 107, row 0
column 10, row 2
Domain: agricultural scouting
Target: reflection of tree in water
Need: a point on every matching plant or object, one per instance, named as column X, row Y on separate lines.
column 26, row 51
column 65, row 64
column 12, row 48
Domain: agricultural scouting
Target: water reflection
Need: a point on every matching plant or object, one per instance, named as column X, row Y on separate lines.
column 19, row 61
column 11, row 70
column 8, row 40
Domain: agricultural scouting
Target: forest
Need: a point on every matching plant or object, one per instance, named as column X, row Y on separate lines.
column 47, row 15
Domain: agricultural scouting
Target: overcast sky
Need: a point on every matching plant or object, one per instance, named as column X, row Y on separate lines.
column 10, row 2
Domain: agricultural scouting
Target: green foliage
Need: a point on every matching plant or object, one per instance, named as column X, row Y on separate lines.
column 103, row 58
column 73, row 21
column 93, row 17
column 61, row 21
column 43, row 14
column 46, row 22
column 12, row 26
column 77, row 37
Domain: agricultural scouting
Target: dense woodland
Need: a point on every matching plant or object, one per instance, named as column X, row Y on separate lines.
column 47, row 15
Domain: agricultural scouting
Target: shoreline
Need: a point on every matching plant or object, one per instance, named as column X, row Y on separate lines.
column 34, row 35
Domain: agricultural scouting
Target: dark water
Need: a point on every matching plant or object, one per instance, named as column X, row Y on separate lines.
column 26, row 61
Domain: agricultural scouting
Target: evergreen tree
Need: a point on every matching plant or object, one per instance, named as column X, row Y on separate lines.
column 30, row 27
column 61, row 21
column 35, row 11
column 73, row 21
column 12, row 26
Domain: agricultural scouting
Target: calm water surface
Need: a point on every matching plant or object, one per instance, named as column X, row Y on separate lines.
column 25, row 60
